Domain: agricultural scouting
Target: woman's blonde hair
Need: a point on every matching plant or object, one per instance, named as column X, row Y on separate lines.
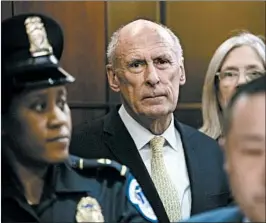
column 211, row 110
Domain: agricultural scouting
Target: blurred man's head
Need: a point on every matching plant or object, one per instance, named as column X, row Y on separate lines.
column 146, row 67
column 244, row 143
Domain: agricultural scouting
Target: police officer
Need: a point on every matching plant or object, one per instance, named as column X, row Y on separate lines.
column 41, row 182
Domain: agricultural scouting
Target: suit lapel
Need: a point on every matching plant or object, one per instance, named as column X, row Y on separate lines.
column 122, row 146
column 196, row 177
column 120, row 143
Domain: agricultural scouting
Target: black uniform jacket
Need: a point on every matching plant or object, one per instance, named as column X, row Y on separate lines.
column 78, row 190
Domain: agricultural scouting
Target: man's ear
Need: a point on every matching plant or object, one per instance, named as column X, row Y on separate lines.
column 182, row 72
column 112, row 78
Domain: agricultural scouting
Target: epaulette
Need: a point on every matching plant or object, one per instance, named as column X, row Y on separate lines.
column 108, row 167
column 81, row 163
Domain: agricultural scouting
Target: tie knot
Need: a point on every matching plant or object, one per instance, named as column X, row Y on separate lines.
column 157, row 143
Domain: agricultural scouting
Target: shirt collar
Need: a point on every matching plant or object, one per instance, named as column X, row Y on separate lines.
column 141, row 136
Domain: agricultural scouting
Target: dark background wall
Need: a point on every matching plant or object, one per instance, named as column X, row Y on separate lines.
column 201, row 27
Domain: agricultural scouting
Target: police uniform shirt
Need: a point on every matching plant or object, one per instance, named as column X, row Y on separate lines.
column 79, row 191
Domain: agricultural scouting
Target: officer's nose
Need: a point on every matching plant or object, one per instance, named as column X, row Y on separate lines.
column 58, row 117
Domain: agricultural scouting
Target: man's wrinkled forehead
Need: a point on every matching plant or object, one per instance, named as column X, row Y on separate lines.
column 144, row 34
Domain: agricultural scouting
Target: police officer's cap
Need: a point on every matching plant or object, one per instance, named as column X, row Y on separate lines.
column 32, row 44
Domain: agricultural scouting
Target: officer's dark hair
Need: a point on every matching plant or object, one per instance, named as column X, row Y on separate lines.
column 252, row 88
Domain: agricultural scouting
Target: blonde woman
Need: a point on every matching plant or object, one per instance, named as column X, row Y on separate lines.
column 237, row 60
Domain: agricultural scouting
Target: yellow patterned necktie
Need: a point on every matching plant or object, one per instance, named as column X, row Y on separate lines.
column 161, row 179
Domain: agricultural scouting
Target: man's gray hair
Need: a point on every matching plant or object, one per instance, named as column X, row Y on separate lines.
column 113, row 44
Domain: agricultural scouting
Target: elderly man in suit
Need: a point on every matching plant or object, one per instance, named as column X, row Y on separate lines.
column 244, row 145
column 179, row 168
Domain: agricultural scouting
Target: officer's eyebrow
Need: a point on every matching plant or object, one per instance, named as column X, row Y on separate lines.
column 39, row 94
column 43, row 94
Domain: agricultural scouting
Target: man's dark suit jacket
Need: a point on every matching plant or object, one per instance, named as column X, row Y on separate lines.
column 109, row 138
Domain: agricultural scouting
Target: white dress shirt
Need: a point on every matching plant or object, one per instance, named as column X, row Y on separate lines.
column 173, row 156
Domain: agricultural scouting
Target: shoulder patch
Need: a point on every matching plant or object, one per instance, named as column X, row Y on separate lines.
column 139, row 201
